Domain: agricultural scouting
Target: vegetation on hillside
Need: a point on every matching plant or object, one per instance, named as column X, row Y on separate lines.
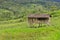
column 15, row 9
column 14, row 24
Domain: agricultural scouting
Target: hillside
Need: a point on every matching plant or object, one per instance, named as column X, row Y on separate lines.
column 14, row 23
column 21, row 8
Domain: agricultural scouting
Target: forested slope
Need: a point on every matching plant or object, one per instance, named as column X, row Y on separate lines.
column 16, row 9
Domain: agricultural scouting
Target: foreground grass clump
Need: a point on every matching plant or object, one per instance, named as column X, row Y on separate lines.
column 21, row 31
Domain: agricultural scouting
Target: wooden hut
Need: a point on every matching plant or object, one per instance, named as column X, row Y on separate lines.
column 39, row 18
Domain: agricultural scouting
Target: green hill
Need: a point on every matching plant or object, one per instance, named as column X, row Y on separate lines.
column 21, row 8
column 14, row 23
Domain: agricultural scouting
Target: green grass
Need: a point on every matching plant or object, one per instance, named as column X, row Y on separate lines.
column 21, row 31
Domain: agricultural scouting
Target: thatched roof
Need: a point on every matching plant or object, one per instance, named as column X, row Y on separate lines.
column 38, row 16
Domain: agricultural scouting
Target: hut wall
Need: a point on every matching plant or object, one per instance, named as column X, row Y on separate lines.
column 32, row 20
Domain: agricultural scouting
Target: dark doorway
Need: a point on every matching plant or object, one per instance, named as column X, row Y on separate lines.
column 42, row 18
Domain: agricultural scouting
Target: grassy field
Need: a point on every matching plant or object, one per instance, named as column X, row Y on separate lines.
column 15, row 30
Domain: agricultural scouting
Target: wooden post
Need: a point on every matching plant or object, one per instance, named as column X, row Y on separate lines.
column 39, row 25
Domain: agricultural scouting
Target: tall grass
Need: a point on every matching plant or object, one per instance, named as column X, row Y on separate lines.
column 15, row 30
